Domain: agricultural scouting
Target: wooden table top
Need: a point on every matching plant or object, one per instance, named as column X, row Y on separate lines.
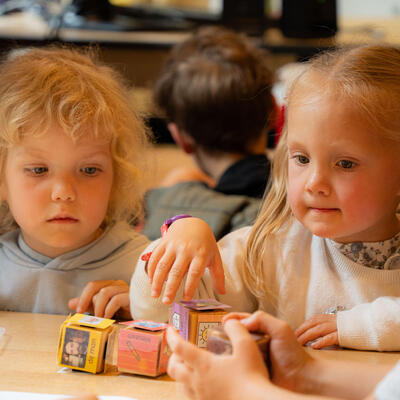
column 28, row 363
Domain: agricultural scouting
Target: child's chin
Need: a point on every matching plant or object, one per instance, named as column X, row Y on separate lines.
column 320, row 230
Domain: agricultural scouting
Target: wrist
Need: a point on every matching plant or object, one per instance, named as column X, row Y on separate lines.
column 168, row 222
column 164, row 227
column 310, row 378
column 261, row 388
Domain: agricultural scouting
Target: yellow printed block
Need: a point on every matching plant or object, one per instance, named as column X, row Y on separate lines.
column 82, row 342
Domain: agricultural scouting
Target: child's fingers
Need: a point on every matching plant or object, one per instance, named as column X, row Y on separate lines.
column 118, row 303
column 104, row 296
column 88, row 292
column 328, row 340
column 195, row 272
column 306, row 325
column 73, row 303
column 175, row 277
column 160, row 275
column 315, row 320
column 217, row 274
column 156, row 255
column 315, row 332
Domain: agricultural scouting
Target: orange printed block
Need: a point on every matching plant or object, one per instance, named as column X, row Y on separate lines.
column 142, row 348
column 194, row 318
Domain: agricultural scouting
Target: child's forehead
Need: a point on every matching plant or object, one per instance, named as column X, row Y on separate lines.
column 57, row 145
column 56, row 133
column 310, row 87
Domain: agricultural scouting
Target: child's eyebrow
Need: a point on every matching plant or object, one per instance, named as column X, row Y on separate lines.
column 26, row 151
column 294, row 143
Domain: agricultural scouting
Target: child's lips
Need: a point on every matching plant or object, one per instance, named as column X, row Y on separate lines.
column 62, row 219
column 323, row 210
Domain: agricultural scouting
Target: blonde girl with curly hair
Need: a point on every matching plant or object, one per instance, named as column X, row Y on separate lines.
column 72, row 151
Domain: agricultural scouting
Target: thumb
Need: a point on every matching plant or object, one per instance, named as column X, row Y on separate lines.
column 279, row 331
column 245, row 348
column 217, row 274
column 242, row 343
column 263, row 322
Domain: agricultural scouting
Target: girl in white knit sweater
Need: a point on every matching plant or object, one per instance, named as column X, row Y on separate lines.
column 327, row 237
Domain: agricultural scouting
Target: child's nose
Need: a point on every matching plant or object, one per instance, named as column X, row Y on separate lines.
column 318, row 183
column 63, row 190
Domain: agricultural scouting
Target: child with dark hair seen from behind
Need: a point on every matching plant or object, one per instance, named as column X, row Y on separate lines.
column 215, row 92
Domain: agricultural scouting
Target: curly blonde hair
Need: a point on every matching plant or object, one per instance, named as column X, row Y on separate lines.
column 40, row 87
column 369, row 76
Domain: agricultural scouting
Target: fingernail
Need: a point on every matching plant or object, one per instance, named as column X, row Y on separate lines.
column 154, row 293
column 79, row 310
column 166, row 300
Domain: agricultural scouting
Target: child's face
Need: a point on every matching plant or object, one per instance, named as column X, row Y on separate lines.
column 74, row 348
column 343, row 178
column 58, row 191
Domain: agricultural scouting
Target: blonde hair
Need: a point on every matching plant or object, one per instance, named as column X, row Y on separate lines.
column 369, row 76
column 72, row 89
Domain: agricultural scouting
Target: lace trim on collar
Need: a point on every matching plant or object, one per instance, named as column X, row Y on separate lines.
column 378, row 255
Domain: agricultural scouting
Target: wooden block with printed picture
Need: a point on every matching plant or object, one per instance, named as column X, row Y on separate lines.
column 142, row 348
column 82, row 342
column 193, row 318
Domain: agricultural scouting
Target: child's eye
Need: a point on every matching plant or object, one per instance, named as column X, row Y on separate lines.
column 90, row 170
column 346, row 164
column 36, row 171
column 301, row 159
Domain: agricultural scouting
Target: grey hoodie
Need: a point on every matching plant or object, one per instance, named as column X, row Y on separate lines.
column 32, row 282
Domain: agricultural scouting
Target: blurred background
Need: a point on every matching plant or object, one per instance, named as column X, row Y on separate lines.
column 135, row 36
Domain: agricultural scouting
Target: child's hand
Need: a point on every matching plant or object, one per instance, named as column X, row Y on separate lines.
column 103, row 299
column 209, row 376
column 322, row 328
column 188, row 246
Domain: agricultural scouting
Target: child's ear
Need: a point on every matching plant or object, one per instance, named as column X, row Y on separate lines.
column 181, row 138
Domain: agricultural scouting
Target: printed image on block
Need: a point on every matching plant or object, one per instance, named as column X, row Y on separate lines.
column 75, row 347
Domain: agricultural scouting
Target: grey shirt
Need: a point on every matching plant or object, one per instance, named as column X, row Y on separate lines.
column 32, row 282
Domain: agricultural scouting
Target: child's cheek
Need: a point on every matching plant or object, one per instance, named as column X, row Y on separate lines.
column 293, row 201
column 294, row 193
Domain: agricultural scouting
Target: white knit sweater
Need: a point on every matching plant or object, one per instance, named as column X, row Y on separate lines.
column 306, row 275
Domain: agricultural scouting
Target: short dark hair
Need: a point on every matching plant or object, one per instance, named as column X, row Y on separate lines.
column 216, row 86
